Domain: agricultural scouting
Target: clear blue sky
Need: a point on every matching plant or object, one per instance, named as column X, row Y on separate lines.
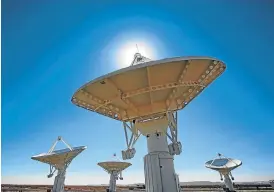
column 50, row 48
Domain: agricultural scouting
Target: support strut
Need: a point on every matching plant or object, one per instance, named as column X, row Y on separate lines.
column 135, row 134
column 114, row 176
column 228, row 182
column 59, row 181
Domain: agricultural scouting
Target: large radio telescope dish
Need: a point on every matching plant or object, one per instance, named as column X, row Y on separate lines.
column 148, row 89
column 146, row 97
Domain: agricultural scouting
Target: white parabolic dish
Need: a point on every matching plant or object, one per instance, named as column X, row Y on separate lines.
column 225, row 164
column 148, row 89
column 59, row 157
column 110, row 166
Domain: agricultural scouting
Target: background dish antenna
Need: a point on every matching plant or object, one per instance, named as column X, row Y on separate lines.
column 145, row 97
column 59, row 160
column 224, row 166
column 114, row 168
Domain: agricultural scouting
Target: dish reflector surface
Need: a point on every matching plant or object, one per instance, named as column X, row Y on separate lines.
column 148, row 89
column 110, row 166
column 223, row 163
column 58, row 158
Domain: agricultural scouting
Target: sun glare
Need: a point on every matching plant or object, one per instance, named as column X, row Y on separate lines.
column 126, row 52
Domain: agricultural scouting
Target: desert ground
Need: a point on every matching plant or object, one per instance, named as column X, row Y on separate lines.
column 214, row 187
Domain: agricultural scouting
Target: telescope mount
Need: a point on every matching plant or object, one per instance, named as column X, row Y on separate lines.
column 145, row 97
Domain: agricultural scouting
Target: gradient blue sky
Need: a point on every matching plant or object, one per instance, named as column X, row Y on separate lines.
column 50, row 48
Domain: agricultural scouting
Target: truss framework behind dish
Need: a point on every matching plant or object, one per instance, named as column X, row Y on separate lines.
column 171, row 132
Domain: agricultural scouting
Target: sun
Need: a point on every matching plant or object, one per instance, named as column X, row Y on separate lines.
column 127, row 50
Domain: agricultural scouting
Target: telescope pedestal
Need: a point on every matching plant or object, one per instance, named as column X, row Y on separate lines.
column 159, row 167
column 59, row 181
column 228, row 182
column 112, row 182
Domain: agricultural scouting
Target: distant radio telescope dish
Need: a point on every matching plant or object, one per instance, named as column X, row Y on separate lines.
column 146, row 97
column 59, row 160
column 224, row 166
column 114, row 168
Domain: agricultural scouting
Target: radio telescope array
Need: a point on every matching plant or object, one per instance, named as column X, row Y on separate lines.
column 114, row 168
column 145, row 97
column 59, row 160
column 224, row 166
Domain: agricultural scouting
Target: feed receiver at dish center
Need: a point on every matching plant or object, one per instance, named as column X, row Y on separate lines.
column 145, row 97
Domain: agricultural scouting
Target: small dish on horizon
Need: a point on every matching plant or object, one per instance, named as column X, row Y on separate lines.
column 224, row 166
column 114, row 168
